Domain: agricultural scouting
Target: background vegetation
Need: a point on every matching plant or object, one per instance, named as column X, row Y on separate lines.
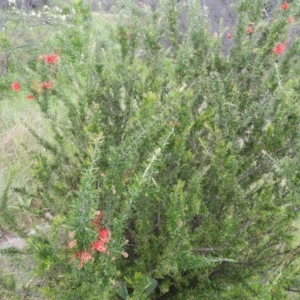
column 141, row 161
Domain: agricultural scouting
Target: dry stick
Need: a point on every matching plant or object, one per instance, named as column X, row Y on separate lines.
column 293, row 290
column 206, row 249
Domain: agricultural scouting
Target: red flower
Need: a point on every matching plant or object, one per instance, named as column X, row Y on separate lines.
column 99, row 246
column 85, row 256
column 249, row 30
column 47, row 85
column 229, row 35
column 104, row 235
column 291, row 19
column 284, row 6
column 16, row 86
column 72, row 244
column 30, row 97
column 51, row 59
column 279, row 49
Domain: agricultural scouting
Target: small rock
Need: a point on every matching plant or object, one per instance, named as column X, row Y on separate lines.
column 48, row 216
column 15, row 242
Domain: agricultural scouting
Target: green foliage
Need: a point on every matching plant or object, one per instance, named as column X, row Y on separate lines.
column 7, row 216
column 8, row 282
column 192, row 157
column 7, row 285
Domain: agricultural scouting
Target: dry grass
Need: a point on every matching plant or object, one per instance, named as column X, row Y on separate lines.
column 21, row 267
column 15, row 115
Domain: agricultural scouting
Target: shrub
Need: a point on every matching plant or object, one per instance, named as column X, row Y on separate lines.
column 175, row 173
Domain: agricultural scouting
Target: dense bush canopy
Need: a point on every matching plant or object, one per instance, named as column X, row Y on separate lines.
column 172, row 169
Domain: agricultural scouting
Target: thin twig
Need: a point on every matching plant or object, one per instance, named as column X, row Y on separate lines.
column 206, row 249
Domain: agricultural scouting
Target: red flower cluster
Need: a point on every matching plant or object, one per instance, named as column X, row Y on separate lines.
column 104, row 234
column 50, row 59
column 249, row 30
column 30, row 97
column 16, row 86
column 229, row 35
column 100, row 245
column 47, row 85
column 284, row 6
column 84, row 256
column 279, row 49
column 104, row 237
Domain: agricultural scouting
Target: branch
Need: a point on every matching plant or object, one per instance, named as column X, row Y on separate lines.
column 292, row 290
column 204, row 250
